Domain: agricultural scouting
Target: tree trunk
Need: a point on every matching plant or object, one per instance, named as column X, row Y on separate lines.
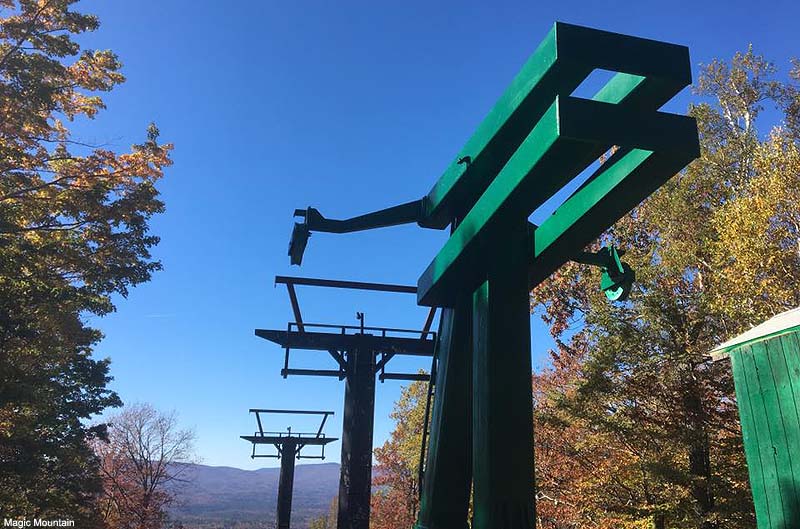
column 699, row 454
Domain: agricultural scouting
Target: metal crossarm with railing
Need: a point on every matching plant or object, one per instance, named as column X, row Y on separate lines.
column 283, row 440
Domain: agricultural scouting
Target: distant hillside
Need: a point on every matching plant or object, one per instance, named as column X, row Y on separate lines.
column 231, row 498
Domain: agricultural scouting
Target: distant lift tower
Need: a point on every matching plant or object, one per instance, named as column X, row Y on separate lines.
column 289, row 446
column 360, row 353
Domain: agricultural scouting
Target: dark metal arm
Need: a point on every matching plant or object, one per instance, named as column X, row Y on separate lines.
column 402, row 214
column 314, row 221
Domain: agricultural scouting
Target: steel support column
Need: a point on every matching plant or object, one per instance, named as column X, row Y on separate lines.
column 286, row 484
column 448, row 472
column 502, row 402
column 355, row 484
column 289, row 447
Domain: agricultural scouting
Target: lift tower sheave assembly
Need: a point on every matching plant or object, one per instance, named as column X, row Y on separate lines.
column 289, row 446
column 536, row 139
column 359, row 353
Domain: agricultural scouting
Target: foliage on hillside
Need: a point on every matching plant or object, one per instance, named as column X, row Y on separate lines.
column 73, row 232
column 395, row 488
column 327, row 520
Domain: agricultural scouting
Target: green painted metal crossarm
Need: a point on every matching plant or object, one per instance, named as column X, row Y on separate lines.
column 587, row 214
column 571, row 134
column 650, row 73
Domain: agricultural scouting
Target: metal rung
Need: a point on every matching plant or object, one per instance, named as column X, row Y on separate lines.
column 405, row 376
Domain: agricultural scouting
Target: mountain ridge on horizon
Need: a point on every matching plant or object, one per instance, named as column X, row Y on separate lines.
column 221, row 497
column 259, row 469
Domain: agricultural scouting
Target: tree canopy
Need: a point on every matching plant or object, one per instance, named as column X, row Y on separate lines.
column 142, row 463
column 73, row 232
column 395, row 486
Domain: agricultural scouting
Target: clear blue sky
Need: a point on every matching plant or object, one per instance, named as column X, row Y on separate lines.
column 346, row 106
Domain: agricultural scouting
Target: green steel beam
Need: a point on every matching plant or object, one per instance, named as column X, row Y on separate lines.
column 598, row 205
column 650, row 73
column 447, row 479
column 570, row 135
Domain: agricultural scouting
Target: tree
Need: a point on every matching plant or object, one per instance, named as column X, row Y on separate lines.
column 395, row 494
column 145, row 457
column 578, row 475
column 328, row 520
column 73, row 231
column 715, row 252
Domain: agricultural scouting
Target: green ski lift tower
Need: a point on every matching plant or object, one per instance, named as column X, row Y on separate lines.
column 536, row 139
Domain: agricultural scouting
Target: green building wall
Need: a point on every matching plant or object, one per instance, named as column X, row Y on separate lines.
column 767, row 379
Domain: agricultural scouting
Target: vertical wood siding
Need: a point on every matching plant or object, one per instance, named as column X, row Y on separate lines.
column 767, row 379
